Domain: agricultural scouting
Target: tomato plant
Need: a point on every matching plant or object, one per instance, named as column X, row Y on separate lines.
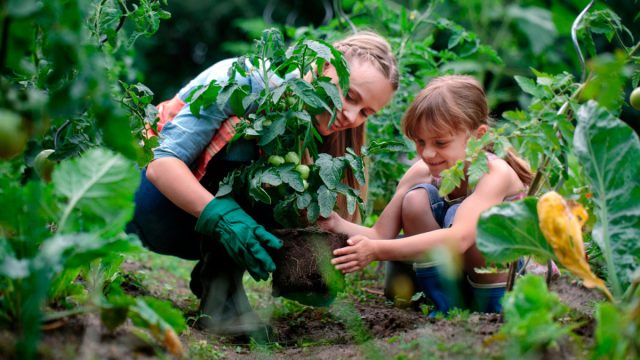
column 284, row 127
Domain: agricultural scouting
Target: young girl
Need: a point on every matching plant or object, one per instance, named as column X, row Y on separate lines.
column 176, row 212
column 441, row 120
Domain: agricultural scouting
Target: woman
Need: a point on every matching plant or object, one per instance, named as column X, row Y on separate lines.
column 176, row 211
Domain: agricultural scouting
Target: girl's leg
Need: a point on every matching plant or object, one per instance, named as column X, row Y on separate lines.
column 417, row 217
column 423, row 210
column 418, row 210
column 486, row 290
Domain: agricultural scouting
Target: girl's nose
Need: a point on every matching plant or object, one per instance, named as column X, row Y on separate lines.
column 428, row 152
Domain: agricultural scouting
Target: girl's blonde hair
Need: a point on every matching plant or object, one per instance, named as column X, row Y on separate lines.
column 453, row 103
column 373, row 48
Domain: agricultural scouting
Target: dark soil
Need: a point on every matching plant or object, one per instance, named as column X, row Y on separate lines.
column 303, row 269
column 358, row 325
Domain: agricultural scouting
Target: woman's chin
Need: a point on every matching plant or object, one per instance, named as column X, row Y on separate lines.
column 324, row 131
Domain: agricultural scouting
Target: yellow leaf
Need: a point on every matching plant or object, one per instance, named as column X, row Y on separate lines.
column 561, row 225
column 172, row 342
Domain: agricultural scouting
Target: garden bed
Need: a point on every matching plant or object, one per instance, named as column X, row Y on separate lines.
column 358, row 324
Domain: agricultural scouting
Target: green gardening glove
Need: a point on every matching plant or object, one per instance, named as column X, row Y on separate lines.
column 243, row 238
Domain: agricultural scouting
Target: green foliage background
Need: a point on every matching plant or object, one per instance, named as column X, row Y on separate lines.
column 74, row 73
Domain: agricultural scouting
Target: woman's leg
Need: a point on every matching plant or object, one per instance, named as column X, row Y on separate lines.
column 224, row 304
column 161, row 225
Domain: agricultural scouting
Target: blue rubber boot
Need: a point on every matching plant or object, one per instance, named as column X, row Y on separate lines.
column 487, row 298
column 444, row 293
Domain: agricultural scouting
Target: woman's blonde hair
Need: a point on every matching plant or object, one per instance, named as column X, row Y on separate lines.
column 373, row 48
column 455, row 103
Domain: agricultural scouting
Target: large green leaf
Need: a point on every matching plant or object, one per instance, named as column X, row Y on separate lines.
column 510, row 230
column 98, row 190
column 532, row 314
column 609, row 151
column 27, row 212
column 536, row 24
column 74, row 250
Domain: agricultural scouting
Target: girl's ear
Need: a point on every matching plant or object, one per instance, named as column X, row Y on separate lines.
column 481, row 130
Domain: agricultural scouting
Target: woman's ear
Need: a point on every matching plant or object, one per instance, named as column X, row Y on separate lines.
column 481, row 130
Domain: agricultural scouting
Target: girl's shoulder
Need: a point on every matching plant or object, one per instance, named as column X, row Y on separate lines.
column 501, row 173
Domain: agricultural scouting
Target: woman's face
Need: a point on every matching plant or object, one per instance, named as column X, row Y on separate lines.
column 369, row 91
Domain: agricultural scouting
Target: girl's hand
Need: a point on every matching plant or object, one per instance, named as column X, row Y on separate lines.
column 360, row 252
column 331, row 223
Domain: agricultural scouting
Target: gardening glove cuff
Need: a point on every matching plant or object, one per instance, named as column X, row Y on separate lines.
column 214, row 211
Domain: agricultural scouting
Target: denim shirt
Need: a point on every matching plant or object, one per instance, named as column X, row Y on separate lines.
column 187, row 135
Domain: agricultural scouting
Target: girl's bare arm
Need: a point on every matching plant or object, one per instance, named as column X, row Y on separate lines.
column 491, row 190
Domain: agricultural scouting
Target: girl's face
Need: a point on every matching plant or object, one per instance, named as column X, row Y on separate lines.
column 442, row 151
column 369, row 91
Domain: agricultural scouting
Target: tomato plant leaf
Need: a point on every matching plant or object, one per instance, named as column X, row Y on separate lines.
column 277, row 128
column 306, row 92
column 529, row 86
column 332, row 91
column 291, row 177
column 271, row 177
column 330, row 170
column 326, row 200
column 303, row 200
column 313, row 212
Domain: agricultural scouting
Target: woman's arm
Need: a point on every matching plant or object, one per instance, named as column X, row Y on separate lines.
column 174, row 179
column 490, row 191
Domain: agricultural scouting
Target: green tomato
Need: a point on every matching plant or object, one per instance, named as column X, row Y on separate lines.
column 267, row 123
column 305, row 184
column 634, row 98
column 43, row 166
column 13, row 136
column 303, row 170
column 292, row 157
column 276, row 160
column 291, row 102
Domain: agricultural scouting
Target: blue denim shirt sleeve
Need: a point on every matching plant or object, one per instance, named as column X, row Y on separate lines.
column 186, row 136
